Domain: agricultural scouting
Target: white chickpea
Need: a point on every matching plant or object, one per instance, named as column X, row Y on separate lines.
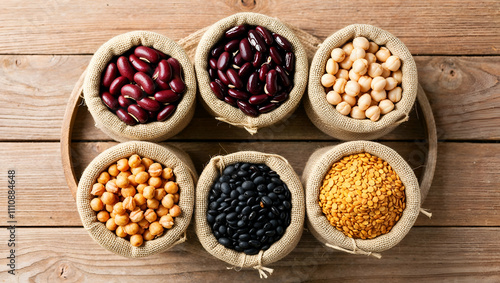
column 373, row 47
column 352, row 88
column 351, row 100
column 385, row 106
column 393, row 63
column 385, row 72
column 373, row 113
column 353, row 76
column 378, row 83
column 333, row 98
column 327, row 80
column 346, row 64
column 339, row 85
column 391, row 83
column 375, row 70
column 365, row 83
column 332, row 67
column 343, row 108
column 338, row 55
column 357, row 113
column 348, row 47
column 398, row 75
column 360, row 66
column 364, row 101
column 382, row 54
column 342, row 74
column 370, row 58
column 395, row 94
column 357, row 53
column 378, row 95
column 361, row 42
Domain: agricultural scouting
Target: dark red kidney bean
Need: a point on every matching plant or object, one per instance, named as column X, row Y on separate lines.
column 110, row 74
column 221, row 85
column 236, row 31
column 222, row 76
column 147, row 53
column 232, row 45
column 217, row 51
column 263, row 72
column 258, row 59
column 132, row 91
column 162, row 84
column 284, row 76
column 247, row 108
column 139, row 65
column 212, row 73
column 272, row 82
column 267, row 108
column 125, row 117
column 233, row 77
column 162, row 55
column 231, row 101
column 153, row 115
column 258, row 99
column 213, row 63
column 124, row 67
column 117, row 85
column 110, row 101
column 289, row 61
column 246, row 50
column 176, row 66
column 275, row 55
column 145, row 81
column 177, row 85
column 217, row 90
column 164, row 71
column 167, row 96
column 282, row 42
column 253, row 84
column 238, row 59
column 280, row 97
column 266, row 35
column 223, row 61
column 124, row 102
column 257, row 41
column 140, row 114
column 245, row 70
column 166, row 112
column 238, row 94
column 149, row 104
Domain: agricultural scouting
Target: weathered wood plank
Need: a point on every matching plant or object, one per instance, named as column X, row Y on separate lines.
column 463, row 91
column 72, row 27
column 464, row 191
column 433, row 254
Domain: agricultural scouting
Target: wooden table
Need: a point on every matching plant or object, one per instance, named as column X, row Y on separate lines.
column 46, row 45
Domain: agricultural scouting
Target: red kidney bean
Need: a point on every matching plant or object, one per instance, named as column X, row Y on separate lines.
column 272, row 82
column 213, row 63
column 223, row 61
column 152, row 115
column 284, row 76
column 140, row 114
column 217, row 90
column 282, row 42
column 125, row 117
column 110, row 101
column 238, row 59
column 177, row 85
column 149, row 104
column 125, row 68
column 139, row 65
column 167, row 96
column 164, row 71
column 236, row 31
column 246, row 108
column 257, row 41
column 221, row 85
column 223, row 77
column 275, row 55
column 280, row 97
column 145, row 82
column 166, row 112
column 147, row 53
column 231, row 101
column 117, row 85
column 132, row 91
column 245, row 70
column 212, row 73
column 176, row 66
column 238, row 94
column 258, row 99
column 162, row 55
column 266, row 35
column 217, row 51
column 233, row 77
column 289, row 61
column 258, row 59
column 253, row 84
column 162, row 85
column 267, row 108
column 263, row 72
column 124, row 102
column 109, row 75
column 246, row 50
column 232, row 45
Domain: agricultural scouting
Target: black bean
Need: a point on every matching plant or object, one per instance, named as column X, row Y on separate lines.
column 244, row 245
column 280, row 230
column 273, row 196
column 252, row 215
column 244, row 237
column 266, row 201
column 246, row 210
column 210, row 219
column 254, row 243
column 251, row 251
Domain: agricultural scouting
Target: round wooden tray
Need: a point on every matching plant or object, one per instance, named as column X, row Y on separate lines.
column 76, row 98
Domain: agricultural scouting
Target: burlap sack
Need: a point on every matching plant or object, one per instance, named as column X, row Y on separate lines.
column 318, row 166
column 225, row 112
column 328, row 119
column 280, row 248
column 169, row 156
column 109, row 122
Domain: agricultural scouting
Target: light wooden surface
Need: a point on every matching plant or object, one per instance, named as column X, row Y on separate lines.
column 46, row 45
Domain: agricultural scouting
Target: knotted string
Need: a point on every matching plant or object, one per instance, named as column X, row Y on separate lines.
column 426, row 212
column 355, row 250
column 262, row 270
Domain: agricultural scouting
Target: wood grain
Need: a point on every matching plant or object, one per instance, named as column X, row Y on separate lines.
column 43, row 198
column 434, row 254
column 463, row 92
column 75, row 27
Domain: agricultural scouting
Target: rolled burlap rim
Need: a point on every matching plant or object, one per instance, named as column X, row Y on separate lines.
column 328, row 119
column 277, row 250
column 229, row 114
column 169, row 156
column 319, row 164
column 107, row 121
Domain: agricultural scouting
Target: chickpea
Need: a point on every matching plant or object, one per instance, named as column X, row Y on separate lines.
column 149, row 192
column 342, row 74
column 349, row 99
column 364, row 101
column 138, row 169
column 103, row 216
column 168, row 201
column 398, row 76
column 111, row 225
column 128, row 191
column 155, row 182
column 129, row 203
column 124, row 174
column 391, row 83
column 176, row 198
column 346, row 64
column 122, row 182
column 333, row 98
column 360, row 66
column 348, row 47
column 373, row 113
column 338, row 55
column 378, row 95
column 150, row 215
column 370, row 58
column 160, row 193
column 144, row 206
column 357, row 53
column 343, row 108
column 175, row 211
column 385, row 72
column 96, row 204
column 395, row 94
column 155, row 170
column 353, row 76
column 339, row 86
column 167, row 174
column 393, row 63
column 131, row 180
column 109, row 198
column 153, row 203
column 361, row 42
column 112, row 187
column 375, row 70
column 385, row 106
column 113, row 170
column 109, row 208
column 131, row 228
column 357, row 113
column 134, row 161
column 139, row 199
column 352, row 88
column 161, row 211
column 119, row 209
column 144, row 224
column 332, row 67
column 171, row 187
column 147, row 235
column 120, row 232
column 327, row 80
column 141, row 231
column 112, row 214
column 382, row 54
column 98, row 189
column 121, row 219
column 140, row 188
column 373, row 47
column 141, row 177
column 147, row 162
column 167, row 221
column 136, row 240
column 122, row 165
column 378, row 83
column 365, row 83
column 155, row 228
column 103, row 178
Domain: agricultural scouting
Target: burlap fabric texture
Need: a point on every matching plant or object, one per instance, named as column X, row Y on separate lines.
column 277, row 250
column 225, row 112
column 109, row 122
column 169, row 156
column 328, row 119
column 316, row 169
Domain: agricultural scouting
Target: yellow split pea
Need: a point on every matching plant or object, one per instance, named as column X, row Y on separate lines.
column 362, row 196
